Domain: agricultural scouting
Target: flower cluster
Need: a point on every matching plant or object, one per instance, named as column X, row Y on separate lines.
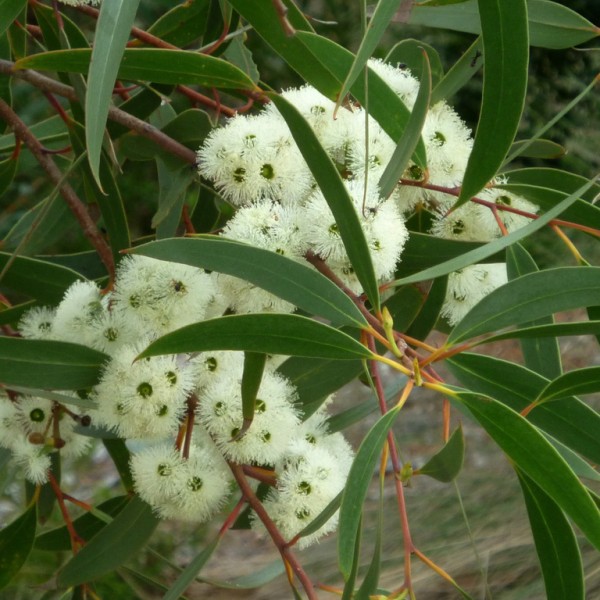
column 182, row 414
column 255, row 164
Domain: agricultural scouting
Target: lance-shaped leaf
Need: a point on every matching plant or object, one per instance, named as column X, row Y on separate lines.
column 506, row 56
column 541, row 355
column 112, row 32
column 531, row 297
column 254, row 366
column 356, row 488
column 412, row 134
column 295, row 282
column 324, row 64
column 9, row 11
column 570, row 421
column 49, row 364
column 86, row 526
column 460, row 73
column 336, row 194
column 555, row 543
column 578, row 381
column 550, row 330
column 269, row 333
column 551, row 25
column 116, row 543
column 409, row 52
column 39, row 279
column 538, row 459
column 16, row 541
column 483, row 252
column 445, row 465
column 380, row 19
column 537, row 148
column 149, row 64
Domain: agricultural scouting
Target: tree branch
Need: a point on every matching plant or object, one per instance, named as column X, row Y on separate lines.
column 78, row 208
column 114, row 114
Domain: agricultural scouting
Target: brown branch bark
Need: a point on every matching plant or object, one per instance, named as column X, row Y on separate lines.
column 46, row 84
column 78, row 208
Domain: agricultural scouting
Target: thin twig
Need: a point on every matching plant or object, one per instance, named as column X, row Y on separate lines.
column 78, row 208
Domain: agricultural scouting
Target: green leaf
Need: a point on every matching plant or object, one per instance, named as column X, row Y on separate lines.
column 86, row 526
column 315, row 379
column 538, row 459
column 481, row 253
column 336, row 194
column 8, row 169
column 121, row 457
column 112, row 32
column 238, row 54
column 39, row 279
column 322, row 517
column 183, row 24
column 541, row 355
column 460, row 73
column 254, row 367
column 538, row 148
column 570, row 421
column 269, row 333
column 324, row 65
column 173, row 184
column 9, row 11
column 555, row 543
column 380, row 19
column 293, row 281
column 120, row 540
column 553, row 330
column 49, row 219
column 445, row 465
column 551, row 25
column 356, row 488
column 429, row 314
column 254, row 580
column 16, row 541
column 409, row 52
column 506, row 57
column 575, row 382
column 412, row 134
column 530, row 297
column 149, row 64
column 191, row 571
column 49, row 364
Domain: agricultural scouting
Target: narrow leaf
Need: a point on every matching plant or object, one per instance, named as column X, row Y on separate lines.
column 120, row 540
column 254, row 366
column 409, row 52
column 336, row 194
column 537, row 148
column 570, row 421
column 9, row 11
column 445, row 465
column 269, row 333
column 39, row 279
column 538, row 459
column 531, row 297
column 460, row 73
column 356, row 488
column 191, row 571
column 293, row 281
column 541, row 355
column 551, row 330
column 555, row 543
column 16, row 541
column 382, row 15
column 506, row 57
column 49, row 364
column 112, row 32
column 481, row 253
column 412, row 134
column 148, row 64
column 573, row 383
